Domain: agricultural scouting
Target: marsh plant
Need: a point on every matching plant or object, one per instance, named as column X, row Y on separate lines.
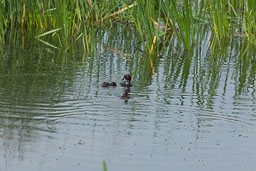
column 158, row 24
column 70, row 20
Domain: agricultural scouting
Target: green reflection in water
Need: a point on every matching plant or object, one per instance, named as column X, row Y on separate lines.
column 113, row 48
column 40, row 86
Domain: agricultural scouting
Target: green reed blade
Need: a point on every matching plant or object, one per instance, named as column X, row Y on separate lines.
column 47, row 44
column 48, row 32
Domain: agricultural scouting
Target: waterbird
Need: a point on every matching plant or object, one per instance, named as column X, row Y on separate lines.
column 126, row 81
column 107, row 84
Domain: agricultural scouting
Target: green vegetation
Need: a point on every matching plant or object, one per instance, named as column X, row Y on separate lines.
column 187, row 24
column 104, row 165
column 55, row 23
column 59, row 23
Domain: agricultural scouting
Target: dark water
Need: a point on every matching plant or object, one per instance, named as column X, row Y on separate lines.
column 197, row 112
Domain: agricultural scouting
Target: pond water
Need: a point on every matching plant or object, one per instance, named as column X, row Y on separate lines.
column 196, row 112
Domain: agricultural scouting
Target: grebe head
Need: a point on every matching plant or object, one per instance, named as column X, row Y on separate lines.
column 127, row 81
column 127, row 77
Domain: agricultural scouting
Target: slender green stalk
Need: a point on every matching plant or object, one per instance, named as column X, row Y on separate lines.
column 104, row 166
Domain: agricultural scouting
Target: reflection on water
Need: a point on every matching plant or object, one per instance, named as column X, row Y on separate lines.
column 196, row 112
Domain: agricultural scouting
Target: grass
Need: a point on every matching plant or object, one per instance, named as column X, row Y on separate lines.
column 104, row 165
column 58, row 24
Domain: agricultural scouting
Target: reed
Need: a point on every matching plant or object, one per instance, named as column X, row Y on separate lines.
column 104, row 166
column 55, row 23
column 58, row 24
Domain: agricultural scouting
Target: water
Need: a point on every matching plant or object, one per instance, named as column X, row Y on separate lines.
column 197, row 112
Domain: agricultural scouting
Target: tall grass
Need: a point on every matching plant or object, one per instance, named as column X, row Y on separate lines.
column 55, row 23
column 59, row 23
column 185, row 19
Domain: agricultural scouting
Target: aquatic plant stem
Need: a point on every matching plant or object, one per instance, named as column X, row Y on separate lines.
column 150, row 53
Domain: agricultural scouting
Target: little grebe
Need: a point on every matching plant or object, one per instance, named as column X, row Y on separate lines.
column 127, row 81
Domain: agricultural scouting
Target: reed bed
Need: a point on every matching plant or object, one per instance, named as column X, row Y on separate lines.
column 60, row 23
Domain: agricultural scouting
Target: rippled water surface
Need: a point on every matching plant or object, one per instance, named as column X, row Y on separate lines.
column 194, row 113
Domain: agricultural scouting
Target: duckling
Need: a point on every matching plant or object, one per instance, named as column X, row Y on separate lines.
column 113, row 84
column 127, row 81
column 107, row 84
